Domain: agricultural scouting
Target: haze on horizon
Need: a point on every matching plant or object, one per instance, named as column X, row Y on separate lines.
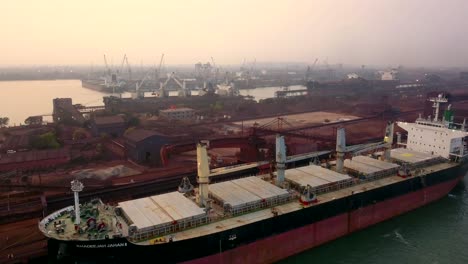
column 396, row 32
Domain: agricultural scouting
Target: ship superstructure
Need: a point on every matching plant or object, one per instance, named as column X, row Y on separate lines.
column 264, row 218
column 438, row 136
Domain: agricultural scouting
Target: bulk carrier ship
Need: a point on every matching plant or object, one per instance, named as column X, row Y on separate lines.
column 265, row 218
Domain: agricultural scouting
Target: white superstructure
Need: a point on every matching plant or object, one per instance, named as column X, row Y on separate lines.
column 436, row 136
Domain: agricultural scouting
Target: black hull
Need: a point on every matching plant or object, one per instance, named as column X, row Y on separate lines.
column 122, row 251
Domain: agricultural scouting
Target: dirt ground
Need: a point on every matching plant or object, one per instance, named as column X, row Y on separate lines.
column 299, row 120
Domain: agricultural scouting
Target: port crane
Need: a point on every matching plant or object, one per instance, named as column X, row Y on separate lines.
column 310, row 69
column 181, row 84
column 216, row 71
column 108, row 71
column 125, row 63
column 159, row 68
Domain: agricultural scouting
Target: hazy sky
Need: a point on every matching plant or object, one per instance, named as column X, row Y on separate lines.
column 386, row 32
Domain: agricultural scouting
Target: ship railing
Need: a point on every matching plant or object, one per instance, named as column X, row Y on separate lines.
column 426, row 163
column 377, row 176
column 251, row 206
column 53, row 216
column 325, row 188
column 168, row 228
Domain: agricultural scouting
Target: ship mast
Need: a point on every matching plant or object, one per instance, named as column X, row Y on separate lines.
column 280, row 160
column 437, row 101
column 340, row 148
column 203, row 175
column 76, row 187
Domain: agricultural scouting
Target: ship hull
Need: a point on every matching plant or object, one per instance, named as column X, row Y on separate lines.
column 95, row 86
column 279, row 237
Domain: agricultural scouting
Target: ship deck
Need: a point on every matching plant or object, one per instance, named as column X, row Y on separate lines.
column 60, row 225
column 251, row 217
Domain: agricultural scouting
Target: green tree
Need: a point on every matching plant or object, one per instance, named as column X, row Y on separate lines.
column 4, row 121
column 129, row 130
column 33, row 120
column 45, row 141
column 133, row 121
column 217, row 106
column 79, row 133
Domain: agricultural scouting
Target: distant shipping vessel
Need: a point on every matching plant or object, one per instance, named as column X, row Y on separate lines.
column 262, row 219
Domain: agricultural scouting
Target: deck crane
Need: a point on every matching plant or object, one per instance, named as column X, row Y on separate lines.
column 140, row 83
column 172, row 76
column 113, row 82
column 342, row 149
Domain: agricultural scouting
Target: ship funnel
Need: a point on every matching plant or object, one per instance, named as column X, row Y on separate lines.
column 340, row 148
column 203, row 174
column 388, row 139
column 280, row 159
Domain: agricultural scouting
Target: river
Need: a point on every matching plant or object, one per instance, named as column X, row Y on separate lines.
column 21, row 99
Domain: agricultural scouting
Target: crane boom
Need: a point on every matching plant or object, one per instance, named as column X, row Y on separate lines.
column 107, row 65
column 315, row 63
column 129, row 68
column 160, row 66
column 122, row 63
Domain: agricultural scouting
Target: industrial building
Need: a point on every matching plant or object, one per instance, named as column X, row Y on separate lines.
column 143, row 146
column 111, row 125
column 178, row 113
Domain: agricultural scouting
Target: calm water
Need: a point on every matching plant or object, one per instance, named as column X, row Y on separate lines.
column 434, row 234
column 21, row 99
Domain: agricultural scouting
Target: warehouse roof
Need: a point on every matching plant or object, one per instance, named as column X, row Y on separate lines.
column 108, row 120
column 138, row 135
